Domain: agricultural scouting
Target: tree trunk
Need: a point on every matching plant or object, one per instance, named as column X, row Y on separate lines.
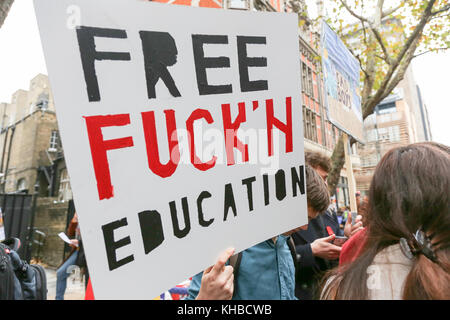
column 337, row 162
column 5, row 5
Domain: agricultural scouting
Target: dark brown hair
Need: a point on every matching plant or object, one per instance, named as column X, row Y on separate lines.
column 409, row 191
column 317, row 194
column 317, row 159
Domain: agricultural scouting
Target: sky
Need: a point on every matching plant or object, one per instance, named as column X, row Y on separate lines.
column 21, row 59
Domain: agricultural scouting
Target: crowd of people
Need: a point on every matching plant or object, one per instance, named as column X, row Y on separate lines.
column 396, row 247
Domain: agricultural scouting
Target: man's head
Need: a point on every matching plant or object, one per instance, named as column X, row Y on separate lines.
column 317, row 196
column 318, row 162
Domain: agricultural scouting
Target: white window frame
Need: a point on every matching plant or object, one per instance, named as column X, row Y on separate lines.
column 53, row 141
column 229, row 4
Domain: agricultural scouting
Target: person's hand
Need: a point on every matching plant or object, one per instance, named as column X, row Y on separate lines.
column 218, row 280
column 324, row 249
column 74, row 243
column 349, row 229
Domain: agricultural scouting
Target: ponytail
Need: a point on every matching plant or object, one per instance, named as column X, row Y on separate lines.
column 429, row 280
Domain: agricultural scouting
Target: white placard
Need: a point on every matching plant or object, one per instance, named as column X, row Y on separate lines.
column 133, row 80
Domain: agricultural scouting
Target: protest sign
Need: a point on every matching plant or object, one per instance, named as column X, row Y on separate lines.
column 341, row 82
column 182, row 133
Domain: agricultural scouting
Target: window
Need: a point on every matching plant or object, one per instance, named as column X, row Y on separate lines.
column 386, row 108
column 42, row 102
column 238, row 4
column 394, row 133
column 382, row 118
column 391, row 134
column 64, row 193
column 304, row 122
column 383, row 134
column 307, row 78
column 370, row 120
column 329, row 135
column 53, row 141
column 309, row 123
column 12, row 119
column 354, row 149
column 304, row 78
column 22, row 184
column 395, row 116
column 307, row 120
column 370, row 135
column 314, row 122
column 310, row 83
column 370, row 160
column 313, row 127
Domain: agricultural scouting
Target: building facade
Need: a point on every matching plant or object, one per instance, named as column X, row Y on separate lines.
column 399, row 120
column 31, row 153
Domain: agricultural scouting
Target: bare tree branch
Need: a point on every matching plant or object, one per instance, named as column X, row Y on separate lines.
column 361, row 18
column 441, row 16
column 365, row 35
column 391, row 11
column 381, row 58
column 432, row 50
column 401, row 70
column 360, row 62
column 374, row 25
column 377, row 35
column 370, row 104
column 445, row 8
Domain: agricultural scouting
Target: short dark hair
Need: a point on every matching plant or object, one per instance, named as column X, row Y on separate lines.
column 317, row 194
column 317, row 159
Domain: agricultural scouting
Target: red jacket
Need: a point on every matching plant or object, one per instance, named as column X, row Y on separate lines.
column 352, row 248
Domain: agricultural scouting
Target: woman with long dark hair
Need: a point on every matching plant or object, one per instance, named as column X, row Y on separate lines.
column 406, row 252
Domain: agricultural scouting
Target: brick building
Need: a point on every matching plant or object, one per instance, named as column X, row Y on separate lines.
column 30, row 147
column 31, row 159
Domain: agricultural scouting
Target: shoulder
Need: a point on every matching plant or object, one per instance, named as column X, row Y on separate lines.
column 352, row 248
column 194, row 286
column 387, row 274
column 392, row 255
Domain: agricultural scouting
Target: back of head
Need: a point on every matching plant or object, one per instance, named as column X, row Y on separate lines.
column 415, row 195
column 409, row 192
column 317, row 194
column 317, row 159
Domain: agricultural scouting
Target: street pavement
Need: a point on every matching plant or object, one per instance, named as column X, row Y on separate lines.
column 75, row 285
